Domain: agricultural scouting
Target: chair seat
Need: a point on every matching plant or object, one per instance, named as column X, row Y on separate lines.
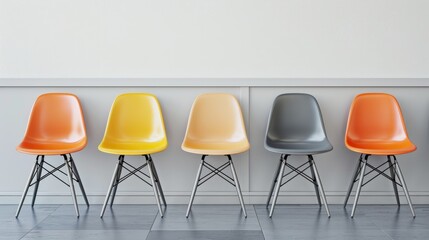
column 381, row 147
column 132, row 148
column 50, row 148
column 215, row 148
column 298, row 148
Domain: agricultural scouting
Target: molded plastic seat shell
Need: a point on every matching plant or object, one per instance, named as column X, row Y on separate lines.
column 215, row 126
column 376, row 126
column 135, row 126
column 295, row 126
column 56, row 126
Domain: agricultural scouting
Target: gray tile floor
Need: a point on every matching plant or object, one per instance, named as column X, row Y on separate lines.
column 214, row 222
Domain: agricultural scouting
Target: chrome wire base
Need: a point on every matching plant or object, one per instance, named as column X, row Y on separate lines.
column 36, row 177
column 216, row 171
column 117, row 178
column 395, row 177
column 299, row 171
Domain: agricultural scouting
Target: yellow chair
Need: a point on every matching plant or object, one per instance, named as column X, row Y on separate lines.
column 135, row 127
column 216, row 127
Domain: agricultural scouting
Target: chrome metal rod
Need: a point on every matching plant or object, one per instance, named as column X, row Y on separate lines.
column 316, row 186
column 38, row 175
column 158, row 182
column 237, row 186
column 404, row 187
column 155, row 189
column 362, row 174
column 277, row 189
column 118, row 177
column 352, row 182
column 319, row 182
column 393, row 176
column 24, row 194
column 109, row 191
column 82, row 189
column 194, row 189
column 273, row 183
column 73, row 192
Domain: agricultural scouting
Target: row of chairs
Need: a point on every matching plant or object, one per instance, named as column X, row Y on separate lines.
column 215, row 127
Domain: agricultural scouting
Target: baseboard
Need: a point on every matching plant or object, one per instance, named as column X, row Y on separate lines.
column 216, row 198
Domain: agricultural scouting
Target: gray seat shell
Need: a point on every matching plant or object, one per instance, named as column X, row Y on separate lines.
column 295, row 126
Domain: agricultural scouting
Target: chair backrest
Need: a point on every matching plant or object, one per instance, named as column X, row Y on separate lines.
column 56, row 117
column 375, row 117
column 216, row 117
column 135, row 117
column 295, row 117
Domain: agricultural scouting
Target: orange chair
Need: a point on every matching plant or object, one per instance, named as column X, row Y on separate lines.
column 216, row 127
column 376, row 127
column 56, row 127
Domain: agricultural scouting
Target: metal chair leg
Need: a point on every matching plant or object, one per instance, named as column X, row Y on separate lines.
column 118, row 177
column 352, row 182
column 316, row 186
column 155, row 189
column 319, row 183
column 362, row 174
column 273, row 183
column 30, row 179
column 278, row 185
column 237, row 185
column 194, row 189
column 79, row 180
column 109, row 191
column 393, row 176
column 38, row 175
column 404, row 187
column 157, row 181
column 73, row 192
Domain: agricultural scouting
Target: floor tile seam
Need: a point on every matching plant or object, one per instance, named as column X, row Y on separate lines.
column 41, row 221
column 259, row 223
column 206, row 230
column 153, row 222
column 387, row 234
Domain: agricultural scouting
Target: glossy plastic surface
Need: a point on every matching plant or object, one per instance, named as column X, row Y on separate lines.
column 56, row 126
column 376, row 126
column 215, row 126
column 295, row 126
column 135, row 126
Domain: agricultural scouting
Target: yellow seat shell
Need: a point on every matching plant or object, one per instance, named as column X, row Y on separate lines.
column 135, row 126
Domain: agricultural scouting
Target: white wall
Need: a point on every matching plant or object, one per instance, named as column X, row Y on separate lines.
column 98, row 49
column 214, row 38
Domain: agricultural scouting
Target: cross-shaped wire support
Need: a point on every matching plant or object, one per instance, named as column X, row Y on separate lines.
column 133, row 171
column 219, row 172
column 36, row 175
column 299, row 171
column 395, row 175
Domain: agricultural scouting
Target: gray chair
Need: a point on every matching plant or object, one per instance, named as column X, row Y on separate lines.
column 295, row 127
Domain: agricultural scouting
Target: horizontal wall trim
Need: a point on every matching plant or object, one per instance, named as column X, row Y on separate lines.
column 229, row 193
column 214, row 82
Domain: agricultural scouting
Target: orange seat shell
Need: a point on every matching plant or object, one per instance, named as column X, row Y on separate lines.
column 376, row 126
column 215, row 126
column 56, row 126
